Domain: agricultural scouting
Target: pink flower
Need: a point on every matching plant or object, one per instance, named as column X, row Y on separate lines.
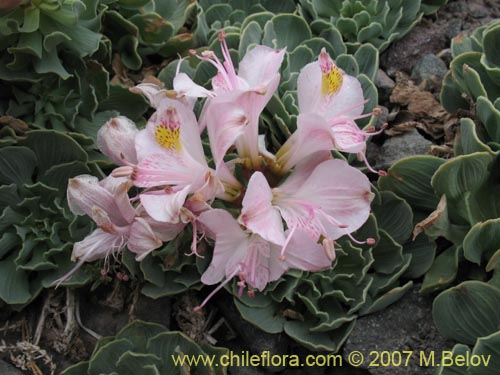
column 251, row 258
column 328, row 200
column 329, row 103
column 170, row 153
column 313, row 135
column 119, row 224
column 232, row 117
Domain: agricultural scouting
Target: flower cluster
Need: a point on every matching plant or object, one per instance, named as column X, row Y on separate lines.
column 290, row 206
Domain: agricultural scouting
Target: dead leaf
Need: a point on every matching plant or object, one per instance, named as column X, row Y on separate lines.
column 431, row 219
column 19, row 126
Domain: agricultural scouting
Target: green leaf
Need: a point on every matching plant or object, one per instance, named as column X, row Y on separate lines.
column 367, row 58
column 171, row 343
column 125, row 102
column 16, row 165
column 468, row 311
column 290, row 31
column 53, row 148
column 251, row 34
column 410, row 179
column 488, row 349
column 137, row 363
column 394, row 216
column 465, row 173
column 422, row 251
column 461, row 350
column 451, row 95
column 491, row 45
column 267, row 317
column 482, row 241
column 489, row 116
column 139, row 333
column 104, row 361
column 442, row 272
column 388, row 298
column 472, row 79
column 153, row 29
column 330, row 341
column 348, row 63
column 387, row 253
column 81, row 368
column 14, row 284
column 467, row 141
column 367, row 33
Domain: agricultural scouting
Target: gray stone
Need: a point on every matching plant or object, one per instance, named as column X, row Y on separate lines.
column 453, row 28
column 478, row 10
column 7, row 369
column 384, row 84
column 429, row 68
column 406, row 325
column 397, row 147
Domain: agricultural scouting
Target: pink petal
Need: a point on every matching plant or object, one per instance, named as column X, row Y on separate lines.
column 309, row 88
column 303, row 170
column 257, row 263
column 350, row 93
column 226, row 121
column 342, row 192
column 165, row 207
column 313, row 134
column 311, row 100
column 97, row 245
column 258, row 213
column 260, row 65
column 116, row 140
column 230, row 186
column 184, row 86
column 142, row 240
column 119, row 187
column 153, row 93
column 230, row 244
column 189, row 132
column 168, row 169
column 85, row 193
column 348, row 137
column 164, row 231
column 303, row 253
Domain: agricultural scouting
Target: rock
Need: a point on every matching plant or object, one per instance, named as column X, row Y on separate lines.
column 478, row 10
column 7, row 369
column 425, row 38
column 430, row 69
column 384, row 84
column 453, row 28
column 406, row 325
column 395, row 148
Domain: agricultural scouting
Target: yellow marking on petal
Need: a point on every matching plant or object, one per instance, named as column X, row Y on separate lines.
column 331, row 82
column 168, row 138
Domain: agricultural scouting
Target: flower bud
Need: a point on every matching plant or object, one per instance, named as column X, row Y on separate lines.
column 116, row 140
